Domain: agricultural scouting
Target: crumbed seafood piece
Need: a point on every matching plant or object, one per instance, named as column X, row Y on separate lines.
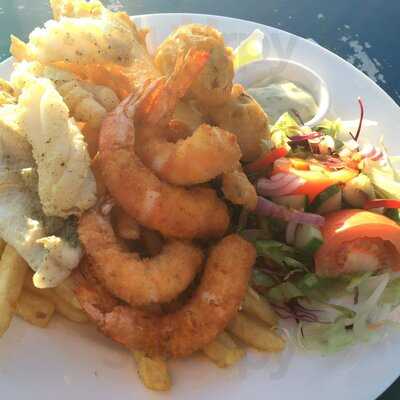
column 213, row 85
column 137, row 281
column 86, row 101
column 173, row 211
column 101, row 38
column 244, row 117
column 238, row 189
column 21, row 218
column 213, row 305
column 66, row 182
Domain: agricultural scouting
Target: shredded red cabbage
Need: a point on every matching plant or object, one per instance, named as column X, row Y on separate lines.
column 304, row 138
column 362, row 114
column 294, row 310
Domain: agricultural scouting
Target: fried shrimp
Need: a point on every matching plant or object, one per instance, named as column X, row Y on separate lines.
column 186, row 119
column 213, row 85
column 174, row 212
column 207, row 153
column 181, row 333
column 244, row 117
column 125, row 226
column 137, row 281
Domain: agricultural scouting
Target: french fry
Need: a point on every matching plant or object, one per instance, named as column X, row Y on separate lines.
column 224, row 351
column 258, row 307
column 35, row 309
column 62, row 307
column 65, row 290
column 153, row 371
column 256, row 333
column 12, row 273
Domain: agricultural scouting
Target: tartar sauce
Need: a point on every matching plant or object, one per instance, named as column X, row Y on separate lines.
column 279, row 97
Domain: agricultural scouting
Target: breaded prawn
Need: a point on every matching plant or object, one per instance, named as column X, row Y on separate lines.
column 190, row 328
column 173, row 211
column 137, row 281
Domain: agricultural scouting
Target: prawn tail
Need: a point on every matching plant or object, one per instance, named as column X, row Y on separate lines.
column 160, row 97
column 187, row 69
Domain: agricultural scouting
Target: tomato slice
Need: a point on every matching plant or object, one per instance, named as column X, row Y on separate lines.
column 358, row 234
column 300, row 164
column 384, row 203
column 267, row 159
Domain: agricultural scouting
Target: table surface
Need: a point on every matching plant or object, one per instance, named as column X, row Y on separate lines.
column 361, row 31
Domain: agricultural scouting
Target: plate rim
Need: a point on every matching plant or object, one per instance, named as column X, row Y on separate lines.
column 382, row 388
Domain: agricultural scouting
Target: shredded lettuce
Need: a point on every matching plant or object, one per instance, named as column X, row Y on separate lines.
column 325, row 338
column 283, row 255
column 391, row 295
column 251, row 49
column 283, row 293
column 340, row 130
column 287, row 125
column 330, row 127
column 262, row 280
column 283, row 129
column 378, row 296
column 384, row 181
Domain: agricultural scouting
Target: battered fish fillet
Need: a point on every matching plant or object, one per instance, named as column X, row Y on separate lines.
column 66, row 183
column 101, row 37
column 51, row 257
column 86, row 101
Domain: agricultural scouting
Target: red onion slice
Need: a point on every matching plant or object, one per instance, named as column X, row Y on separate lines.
column 367, row 150
column 269, row 209
column 286, row 184
column 378, row 155
column 285, row 190
column 268, row 184
column 303, row 138
column 278, row 176
column 307, row 218
column 372, row 152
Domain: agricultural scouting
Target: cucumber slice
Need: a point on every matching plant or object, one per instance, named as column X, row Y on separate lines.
column 296, row 201
column 327, row 201
column 358, row 191
column 308, row 238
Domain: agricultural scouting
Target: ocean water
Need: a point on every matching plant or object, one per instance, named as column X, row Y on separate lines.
column 364, row 32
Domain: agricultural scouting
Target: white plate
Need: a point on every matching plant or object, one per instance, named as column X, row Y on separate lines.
column 69, row 361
